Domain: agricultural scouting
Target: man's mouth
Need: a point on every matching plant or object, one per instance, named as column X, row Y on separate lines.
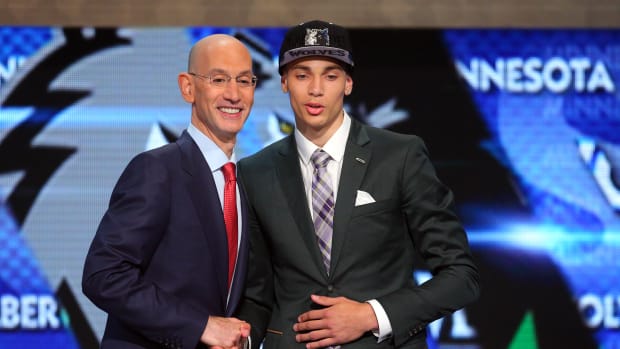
column 314, row 108
column 229, row 110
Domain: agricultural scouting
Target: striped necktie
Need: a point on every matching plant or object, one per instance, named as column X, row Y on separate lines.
column 322, row 204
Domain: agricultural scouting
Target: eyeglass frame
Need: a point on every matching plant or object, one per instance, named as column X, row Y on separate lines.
column 228, row 78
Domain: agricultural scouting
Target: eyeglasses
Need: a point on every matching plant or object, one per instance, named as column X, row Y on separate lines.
column 222, row 80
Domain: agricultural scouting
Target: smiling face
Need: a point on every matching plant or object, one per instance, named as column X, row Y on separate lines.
column 316, row 88
column 218, row 110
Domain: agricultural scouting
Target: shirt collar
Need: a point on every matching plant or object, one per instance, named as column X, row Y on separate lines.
column 214, row 156
column 334, row 147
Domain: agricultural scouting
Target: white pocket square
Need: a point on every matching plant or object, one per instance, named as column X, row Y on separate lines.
column 363, row 198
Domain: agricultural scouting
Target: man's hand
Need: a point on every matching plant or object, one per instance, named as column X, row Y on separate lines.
column 225, row 333
column 341, row 321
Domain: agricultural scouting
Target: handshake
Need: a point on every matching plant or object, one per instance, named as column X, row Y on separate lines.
column 226, row 333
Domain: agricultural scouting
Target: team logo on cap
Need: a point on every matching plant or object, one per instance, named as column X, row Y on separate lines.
column 317, row 37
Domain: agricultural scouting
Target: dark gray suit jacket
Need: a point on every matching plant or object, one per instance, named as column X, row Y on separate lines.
column 373, row 244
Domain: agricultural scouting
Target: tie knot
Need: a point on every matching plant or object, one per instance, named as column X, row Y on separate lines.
column 229, row 171
column 320, row 158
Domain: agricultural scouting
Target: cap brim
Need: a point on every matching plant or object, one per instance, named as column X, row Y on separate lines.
column 316, row 51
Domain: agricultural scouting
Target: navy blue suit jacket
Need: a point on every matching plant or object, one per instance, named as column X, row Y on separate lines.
column 158, row 262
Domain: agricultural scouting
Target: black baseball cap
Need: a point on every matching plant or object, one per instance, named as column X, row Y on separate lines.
column 316, row 38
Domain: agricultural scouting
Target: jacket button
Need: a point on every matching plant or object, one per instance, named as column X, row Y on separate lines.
column 330, row 288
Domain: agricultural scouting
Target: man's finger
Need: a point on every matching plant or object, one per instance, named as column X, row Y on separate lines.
column 311, row 315
column 323, row 300
column 313, row 336
column 308, row 325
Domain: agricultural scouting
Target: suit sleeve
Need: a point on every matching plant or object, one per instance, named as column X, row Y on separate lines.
column 124, row 243
column 441, row 241
column 258, row 301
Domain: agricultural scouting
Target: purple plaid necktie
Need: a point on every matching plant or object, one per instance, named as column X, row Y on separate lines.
column 322, row 204
column 323, row 207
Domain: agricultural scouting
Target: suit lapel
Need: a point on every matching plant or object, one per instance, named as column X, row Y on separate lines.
column 289, row 176
column 208, row 209
column 354, row 164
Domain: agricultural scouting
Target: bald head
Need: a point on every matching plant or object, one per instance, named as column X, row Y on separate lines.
column 213, row 44
column 219, row 84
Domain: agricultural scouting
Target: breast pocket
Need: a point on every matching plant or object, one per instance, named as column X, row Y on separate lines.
column 375, row 208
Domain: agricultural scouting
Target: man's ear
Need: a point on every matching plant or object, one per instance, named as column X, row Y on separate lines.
column 284, row 84
column 348, row 87
column 186, row 87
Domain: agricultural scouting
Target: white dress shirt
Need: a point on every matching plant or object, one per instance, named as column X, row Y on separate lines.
column 216, row 158
column 335, row 147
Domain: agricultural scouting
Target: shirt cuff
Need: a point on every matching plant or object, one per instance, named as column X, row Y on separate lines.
column 385, row 327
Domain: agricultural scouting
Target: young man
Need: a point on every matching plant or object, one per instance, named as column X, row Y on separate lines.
column 169, row 259
column 337, row 212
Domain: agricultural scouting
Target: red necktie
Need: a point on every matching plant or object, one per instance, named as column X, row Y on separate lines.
column 230, row 215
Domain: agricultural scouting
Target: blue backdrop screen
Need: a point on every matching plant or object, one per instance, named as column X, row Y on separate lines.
column 523, row 125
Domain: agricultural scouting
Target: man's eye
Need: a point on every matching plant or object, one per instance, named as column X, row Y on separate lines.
column 219, row 79
column 245, row 81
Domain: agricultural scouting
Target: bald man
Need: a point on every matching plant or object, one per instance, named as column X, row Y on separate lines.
column 166, row 263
